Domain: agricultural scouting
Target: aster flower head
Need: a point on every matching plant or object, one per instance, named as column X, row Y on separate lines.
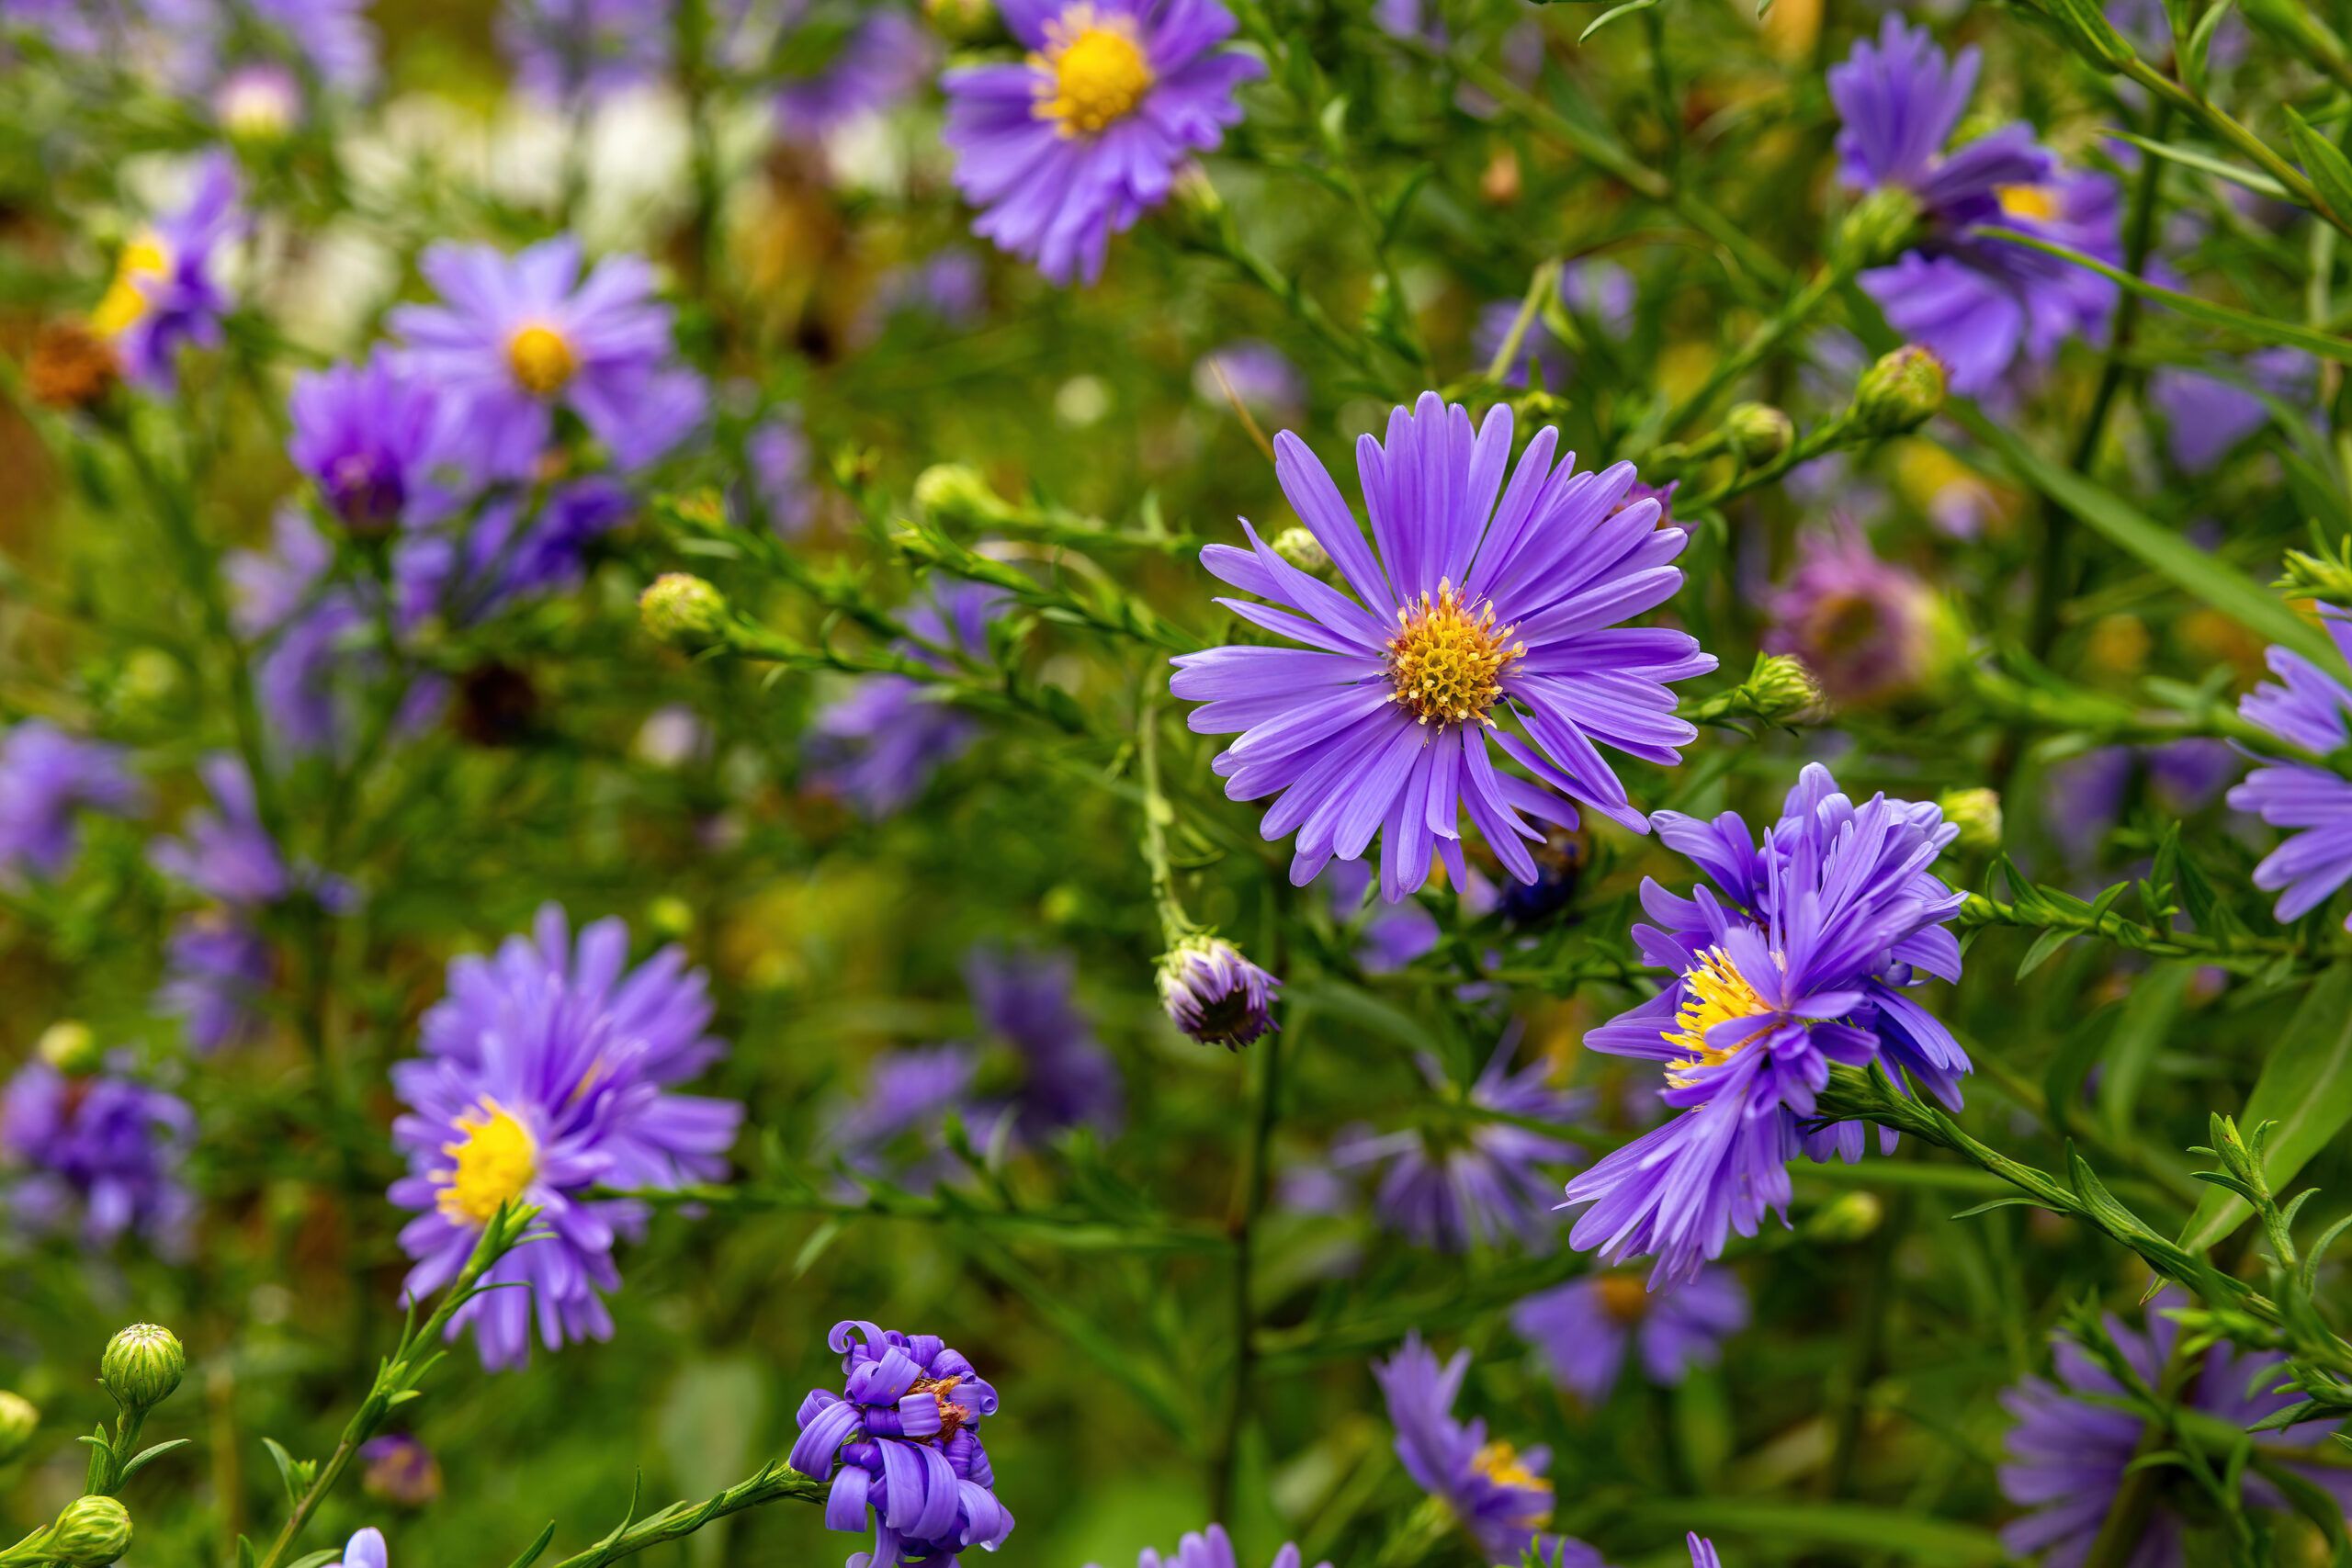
column 1583, row 1330
column 48, row 778
column 549, row 1070
column 1496, row 1492
column 516, row 338
column 570, row 51
column 1983, row 307
column 1215, row 995
column 1476, row 603
column 1798, row 956
column 1213, row 1548
column 1867, row 628
column 167, row 290
column 2305, row 707
column 216, row 970
column 1077, row 141
column 1477, row 1185
column 369, row 435
column 101, row 1154
column 902, row 1441
column 877, row 747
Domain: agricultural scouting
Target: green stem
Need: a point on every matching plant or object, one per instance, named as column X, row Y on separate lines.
column 1174, row 924
column 2172, row 94
column 773, row 1483
column 1768, row 336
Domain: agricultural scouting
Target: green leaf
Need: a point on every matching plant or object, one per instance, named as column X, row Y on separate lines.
column 285, row 1465
column 2207, row 577
column 2305, row 1088
column 1611, row 14
column 2323, row 161
column 141, row 1460
column 2043, row 946
column 101, row 1456
column 2260, row 328
column 2205, row 163
column 2140, row 1029
column 2009, row 1202
column 531, row 1552
column 2087, row 28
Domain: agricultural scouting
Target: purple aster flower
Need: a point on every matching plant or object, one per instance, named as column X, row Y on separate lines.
column 1983, row 307
column 2304, row 707
column 1797, row 957
column 504, row 552
column 1703, row 1551
column 877, row 747
column 549, row 1070
column 1867, row 628
column 871, row 64
column 105, row 1148
column 368, row 436
column 1075, row 143
column 1480, row 601
column 894, row 1129
column 215, row 969
column 1392, row 935
column 516, row 337
column 2072, row 1447
column 1261, row 376
column 48, row 778
column 366, row 1549
column 1581, row 1330
column 1496, row 1492
column 396, row 1468
column 567, row 52
column 2085, row 794
column 1454, row 1188
column 1213, row 1549
column 777, row 450
column 2207, row 415
column 1215, row 995
column 1030, row 1000
column 903, row 1440
column 167, row 290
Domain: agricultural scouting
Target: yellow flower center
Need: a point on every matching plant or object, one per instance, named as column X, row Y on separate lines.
column 2037, row 202
column 1499, row 1463
column 1719, row 993
column 1447, row 657
column 540, row 359
column 1099, row 74
column 496, row 1160
column 1623, row 1297
column 126, row 301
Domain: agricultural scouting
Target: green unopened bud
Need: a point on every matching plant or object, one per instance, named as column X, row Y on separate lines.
column 682, row 609
column 70, row 1047
column 954, row 492
column 1900, row 393
column 1847, row 1218
column 90, row 1534
column 142, row 1366
column 1781, row 687
column 1879, row 228
column 19, row 1420
column 670, row 915
column 1758, row 433
column 1299, row 546
column 1977, row 814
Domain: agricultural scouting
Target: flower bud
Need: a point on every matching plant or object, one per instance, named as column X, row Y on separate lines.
column 18, row 1419
column 1879, row 228
column 1758, row 433
column 1901, row 392
column 1299, row 546
column 1214, row 995
column 682, row 609
column 1781, row 687
column 1847, row 1218
column 70, row 1047
column 141, row 1365
column 90, row 1534
column 955, row 492
column 1977, row 814
column 670, row 915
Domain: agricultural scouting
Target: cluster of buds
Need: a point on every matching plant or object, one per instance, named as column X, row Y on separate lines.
column 139, row 1369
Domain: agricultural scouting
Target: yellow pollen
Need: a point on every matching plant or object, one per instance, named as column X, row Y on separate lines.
column 1099, row 74
column 540, row 359
column 1622, row 1296
column 2038, row 202
column 1499, row 1463
column 496, row 1160
column 1447, row 657
column 126, row 300
column 1718, row 993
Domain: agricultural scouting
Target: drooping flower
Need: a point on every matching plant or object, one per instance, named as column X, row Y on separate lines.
column 1213, row 1549
column 102, row 1153
column 2071, row 1447
column 877, row 747
column 548, row 1070
column 1215, row 995
column 1475, row 1185
column 1029, row 999
column 2305, row 707
column 216, row 970
column 516, row 337
column 1076, row 142
column 47, row 779
column 2206, row 416
column 1497, row 1493
column 369, row 435
column 1985, row 307
column 396, row 1468
column 1799, row 955
column 167, row 290
column 1483, row 601
column 1582, row 1330
column 1867, row 628
column 572, row 51
column 902, row 1440
column 366, row 1549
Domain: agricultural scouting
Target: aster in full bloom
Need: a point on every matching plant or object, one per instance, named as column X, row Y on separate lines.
column 167, row 290
column 549, row 1070
column 514, row 338
column 1985, row 307
column 1798, row 956
column 1453, row 1188
column 1213, row 1548
column 216, row 970
column 1214, row 994
column 1077, row 141
column 2071, row 1447
column 902, row 1440
column 2305, row 707
column 47, row 779
column 1496, row 1492
column 369, row 436
column 104, row 1151
column 570, row 51
column 1478, row 602
column 1867, row 628
column 1582, row 1330
column 877, row 747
